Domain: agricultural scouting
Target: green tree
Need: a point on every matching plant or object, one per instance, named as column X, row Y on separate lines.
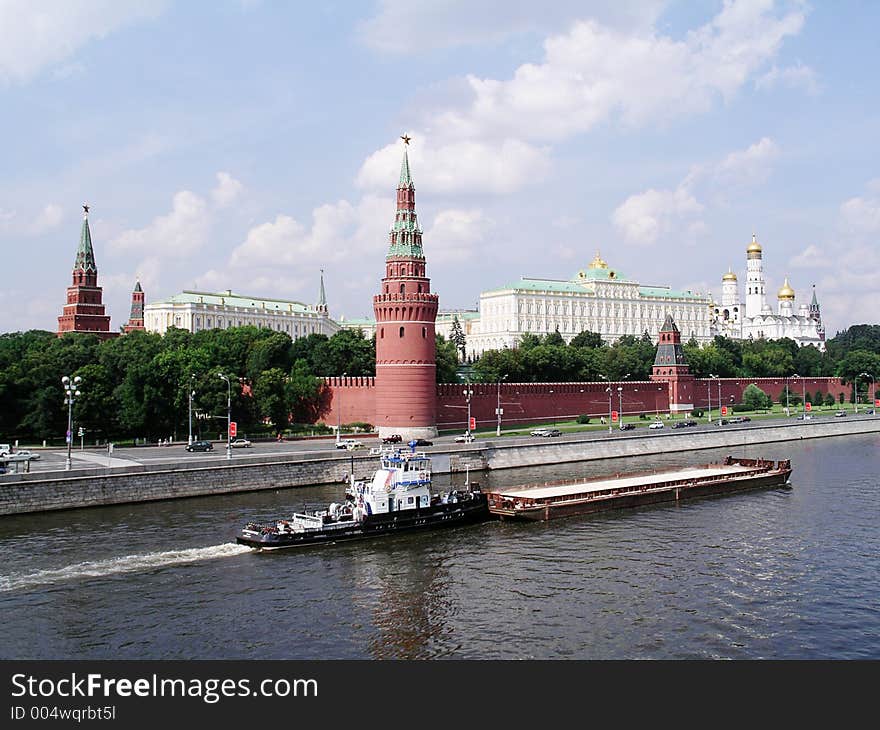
column 592, row 340
column 271, row 394
column 304, row 392
column 755, row 399
column 446, row 359
column 458, row 338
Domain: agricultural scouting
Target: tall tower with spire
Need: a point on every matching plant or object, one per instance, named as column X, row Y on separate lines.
column 136, row 318
column 816, row 315
column 321, row 306
column 405, row 309
column 84, row 311
column 671, row 367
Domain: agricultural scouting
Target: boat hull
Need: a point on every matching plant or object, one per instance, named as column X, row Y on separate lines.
column 647, row 495
column 468, row 511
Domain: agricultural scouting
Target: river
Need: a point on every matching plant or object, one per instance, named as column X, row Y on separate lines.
column 777, row 574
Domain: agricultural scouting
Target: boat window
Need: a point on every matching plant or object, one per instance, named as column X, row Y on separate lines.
column 409, row 500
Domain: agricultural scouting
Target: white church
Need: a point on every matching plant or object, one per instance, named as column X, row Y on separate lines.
column 754, row 319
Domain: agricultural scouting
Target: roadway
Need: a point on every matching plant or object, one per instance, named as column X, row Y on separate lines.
column 89, row 458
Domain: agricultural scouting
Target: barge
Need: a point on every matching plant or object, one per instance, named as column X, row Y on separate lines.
column 398, row 498
column 548, row 501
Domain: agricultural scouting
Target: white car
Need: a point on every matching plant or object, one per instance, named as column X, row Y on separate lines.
column 23, row 454
column 5, row 450
column 349, row 444
column 541, row 432
column 656, row 424
column 240, row 444
column 465, row 438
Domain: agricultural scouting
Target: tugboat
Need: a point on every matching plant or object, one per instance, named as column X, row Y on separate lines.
column 397, row 498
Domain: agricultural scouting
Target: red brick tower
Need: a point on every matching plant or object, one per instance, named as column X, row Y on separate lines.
column 670, row 366
column 406, row 379
column 84, row 311
column 136, row 318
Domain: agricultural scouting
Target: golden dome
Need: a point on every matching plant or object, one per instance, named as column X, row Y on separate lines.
column 598, row 263
column 729, row 276
column 786, row 292
column 754, row 246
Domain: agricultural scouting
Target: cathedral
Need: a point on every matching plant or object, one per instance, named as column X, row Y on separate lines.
column 754, row 319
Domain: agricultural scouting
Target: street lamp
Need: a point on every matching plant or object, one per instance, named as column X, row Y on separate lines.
column 720, row 422
column 71, row 393
column 873, row 389
column 608, row 390
column 228, row 415
column 856, row 392
column 620, row 406
column 709, row 397
column 803, row 395
column 192, row 392
column 498, row 410
column 339, row 414
column 468, row 392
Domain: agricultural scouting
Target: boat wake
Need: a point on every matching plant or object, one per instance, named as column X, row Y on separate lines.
column 114, row 566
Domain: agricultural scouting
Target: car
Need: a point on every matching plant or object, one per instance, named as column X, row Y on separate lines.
column 721, row 422
column 421, row 442
column 691, row 423
column 680, row 424
column 23, row 454
column 240, row 444
column 804, row 417
column 350, row 444
column 5, row 450
column 840, row 414
column 540, row 432
column 627, row 426
column 554, row 432
column 200, row 446
column 464, row 438
column 394, row 438
column 656, row 424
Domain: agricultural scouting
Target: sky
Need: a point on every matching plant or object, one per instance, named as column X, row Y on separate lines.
column 248, row 144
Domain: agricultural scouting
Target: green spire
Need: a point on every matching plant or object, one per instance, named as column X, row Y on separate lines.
column 85, row 254
column 405, row 177
column 322, row 295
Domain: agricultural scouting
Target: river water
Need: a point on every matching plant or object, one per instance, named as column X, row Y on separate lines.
column 766, row 574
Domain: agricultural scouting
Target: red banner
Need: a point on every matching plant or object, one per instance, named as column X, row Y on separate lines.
column 808, row 406
column 473, row 423
column 613, row 416
column 233, row 429
column 723, row 410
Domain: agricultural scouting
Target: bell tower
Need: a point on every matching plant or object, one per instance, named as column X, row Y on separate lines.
column 406, row 310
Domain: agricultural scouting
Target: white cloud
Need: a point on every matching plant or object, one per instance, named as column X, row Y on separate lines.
column 48, row 218
column 644, row 217
column 36, row 35
column 798, row 76
column 862, row 214
column 593, row 72
column 460, row 166
column 406, row 26
column 178, row 234
column 811, row 257
column 455, row 234
column 227, row 190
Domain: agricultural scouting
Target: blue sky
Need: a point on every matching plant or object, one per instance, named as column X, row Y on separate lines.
column 246, row 144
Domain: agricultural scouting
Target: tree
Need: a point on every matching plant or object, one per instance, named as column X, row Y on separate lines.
column 528, row 341
column 554, row 339
column 304, row 393
column 592, row 340
column 458, row 338
column 271, row 394
column 829, row 399
column 755, row 399
column 446, row 358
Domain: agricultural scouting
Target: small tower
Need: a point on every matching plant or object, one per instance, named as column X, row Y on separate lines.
column 755, row 294
column 321, row 306
column 84, row 310
column 136, row 318
column 670, row 366
column 816, row 315
column 729, row 293
column 406, row 310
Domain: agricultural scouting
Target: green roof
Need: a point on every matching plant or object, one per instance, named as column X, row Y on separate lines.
column 85, row 254
column 576, row 287
column 235, row 300
column 461, row 314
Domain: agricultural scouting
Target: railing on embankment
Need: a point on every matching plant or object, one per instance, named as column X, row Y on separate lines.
column 47, row 491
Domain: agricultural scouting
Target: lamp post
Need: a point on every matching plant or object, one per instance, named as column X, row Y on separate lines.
column 339, row 414
column 71, row 393
column 803, row 396
column 498, row 410
column 873, row 389
column 856, row 393
column 715, row 377
column 192, row 392
column 620, row 407
column 608, row 390
column 228, row 415
column 786, row 397
column 468, row 392
column 709, row 397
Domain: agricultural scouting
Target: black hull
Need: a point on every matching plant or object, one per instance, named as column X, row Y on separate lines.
column 446, row 515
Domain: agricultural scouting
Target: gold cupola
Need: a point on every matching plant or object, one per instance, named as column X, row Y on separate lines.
column 729, row 276
column 754, row 249
column 786, row 292
column 598, row 262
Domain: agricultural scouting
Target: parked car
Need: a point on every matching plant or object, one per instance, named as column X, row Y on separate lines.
column 421, row 442
column 200, row 446
column 464, row 438
column 5, row 450
column 680, row 424
column 25, row 454
column 394, row 438
column 540, row 432
column 350, row 444
column 627, row 426
column 721, row 422
column 553, row 432
column 840, row 414
column 240, row 444
column 656, row 424
column 804, row 417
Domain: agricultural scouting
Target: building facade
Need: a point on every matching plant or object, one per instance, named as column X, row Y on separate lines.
column 599, row 299
column 754, row 319
column 196, row 311
column 84, row 310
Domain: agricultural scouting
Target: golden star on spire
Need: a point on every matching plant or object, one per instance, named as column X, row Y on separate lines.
column 406, row 138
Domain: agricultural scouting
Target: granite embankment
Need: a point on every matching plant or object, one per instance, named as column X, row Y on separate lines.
column 46, row 491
